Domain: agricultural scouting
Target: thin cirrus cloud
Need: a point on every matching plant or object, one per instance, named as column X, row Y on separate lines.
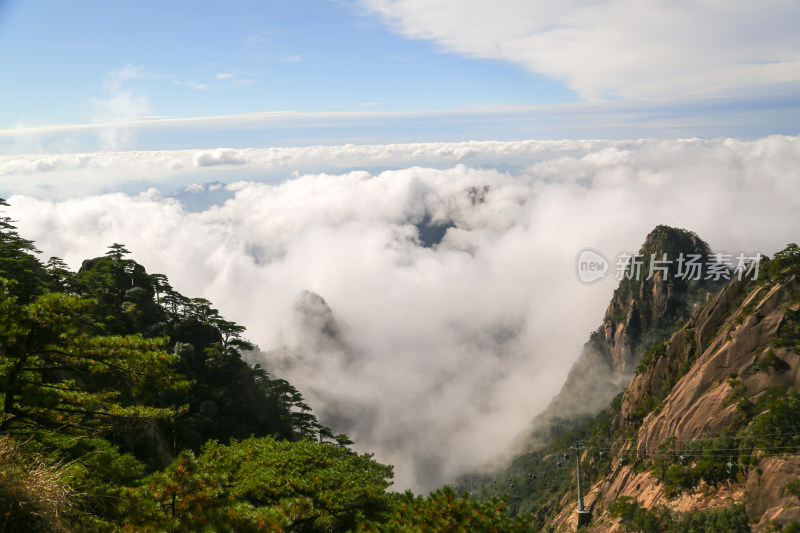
column 238, row 79
column 446, row 352
column 741, row 116
column 616, row 48
column 193, row 84
column 118, row 108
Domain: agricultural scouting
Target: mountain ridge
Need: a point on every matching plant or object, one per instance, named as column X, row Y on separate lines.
column 731, row 364
column 641, row 313
column 704, row 437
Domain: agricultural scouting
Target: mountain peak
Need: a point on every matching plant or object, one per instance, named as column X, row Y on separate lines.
column 645, row 308
column 671, row 240
column 655, row 295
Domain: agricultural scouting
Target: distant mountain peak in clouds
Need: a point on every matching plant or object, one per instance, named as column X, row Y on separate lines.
column 315, row 318
column 199, row 197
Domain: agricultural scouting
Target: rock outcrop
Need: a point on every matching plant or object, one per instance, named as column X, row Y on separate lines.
column 704, row 384
column 698, row 404
column 642, row 312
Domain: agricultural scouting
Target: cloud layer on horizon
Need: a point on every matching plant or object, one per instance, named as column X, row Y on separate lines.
column 451, row 350
column 618, row 49
column 61, row 176
column 748, row 116
column 58, row 176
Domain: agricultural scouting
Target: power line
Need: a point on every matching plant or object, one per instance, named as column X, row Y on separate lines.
column 703, row 450
column 754, row 450
column 721, row 437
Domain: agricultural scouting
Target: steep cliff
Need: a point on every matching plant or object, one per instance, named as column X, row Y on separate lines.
column 711, row 418
column 646, row 307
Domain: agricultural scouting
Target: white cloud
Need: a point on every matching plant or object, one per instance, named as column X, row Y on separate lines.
column 617, row 48
column 60, row 175
column 291, row 157
column 121, row 106
column 452, row 349
column 193, row 84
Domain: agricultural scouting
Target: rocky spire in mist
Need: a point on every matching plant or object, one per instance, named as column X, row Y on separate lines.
column 641, row 314
column 314, row 318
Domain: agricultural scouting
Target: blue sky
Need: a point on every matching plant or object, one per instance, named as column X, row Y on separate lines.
column 211, row 58
column 371, row 71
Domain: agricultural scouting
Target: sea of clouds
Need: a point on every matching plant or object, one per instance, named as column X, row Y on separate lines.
column 445, row 352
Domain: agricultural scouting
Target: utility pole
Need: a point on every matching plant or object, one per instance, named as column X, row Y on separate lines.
column 584, row 515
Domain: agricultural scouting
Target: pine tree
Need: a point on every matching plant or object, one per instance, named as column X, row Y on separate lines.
column 57, row 377
column 18, row 263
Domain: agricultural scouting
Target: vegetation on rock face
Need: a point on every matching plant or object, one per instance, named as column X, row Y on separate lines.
column 536, row 482
column 645, row 310
column 125, row 405
column 661, row 301
column 762, row 424
column 782, row 265
column 732, row 519
column 653, row 299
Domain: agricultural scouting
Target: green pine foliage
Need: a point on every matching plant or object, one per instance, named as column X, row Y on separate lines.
column 56, row 376
column 444, row 511
column 782, row 266
column 262, row 485
column 18, row 262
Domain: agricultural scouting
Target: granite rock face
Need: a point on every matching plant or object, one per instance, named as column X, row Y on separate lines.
column 697, row 403
column 723, row 360
column 641, row 313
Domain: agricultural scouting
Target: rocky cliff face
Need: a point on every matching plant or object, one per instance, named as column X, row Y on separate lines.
column 642, row 312
column 714, row 389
